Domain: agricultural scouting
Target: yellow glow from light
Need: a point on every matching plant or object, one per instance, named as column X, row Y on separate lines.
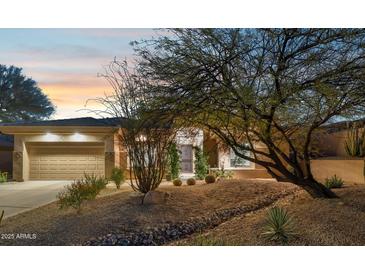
column 77, row 137
column 49, row 137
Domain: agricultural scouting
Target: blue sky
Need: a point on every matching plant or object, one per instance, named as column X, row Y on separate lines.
column 65, row 62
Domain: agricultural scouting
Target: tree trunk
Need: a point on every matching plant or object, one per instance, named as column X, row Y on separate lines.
column 309, row 184
column 315, row 189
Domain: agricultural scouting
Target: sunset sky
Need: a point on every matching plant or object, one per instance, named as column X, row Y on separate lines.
column 65, row 62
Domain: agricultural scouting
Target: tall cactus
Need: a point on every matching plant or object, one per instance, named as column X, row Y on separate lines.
column 355, row 142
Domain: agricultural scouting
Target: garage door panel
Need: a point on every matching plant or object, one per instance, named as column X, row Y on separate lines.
column 43, row 167
column 34, row 166
column 91, row 167
column 65, row 163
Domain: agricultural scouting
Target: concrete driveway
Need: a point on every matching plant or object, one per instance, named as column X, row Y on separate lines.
column 19, row 197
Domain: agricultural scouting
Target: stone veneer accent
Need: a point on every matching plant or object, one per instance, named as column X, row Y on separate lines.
column 18, row 166
column 109, row 163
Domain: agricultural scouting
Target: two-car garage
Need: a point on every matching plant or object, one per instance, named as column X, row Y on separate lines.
column 64, row 149
column 60, row 162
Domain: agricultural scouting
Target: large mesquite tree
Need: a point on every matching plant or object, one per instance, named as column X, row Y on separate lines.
column 276, row 87
column 21, row 98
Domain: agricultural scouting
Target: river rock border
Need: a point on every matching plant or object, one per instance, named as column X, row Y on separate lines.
column 171, row 232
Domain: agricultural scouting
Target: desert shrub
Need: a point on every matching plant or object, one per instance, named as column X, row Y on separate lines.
column 190, row 182
column 174, row 161
column 3, row 177
column 209, row 179
column 117, row 176
column 177, row 182
column 75, row 194
column 98, row 182
column 2, row 216
column 222, row 173
column 81, row 190
column 279, row 226
column 201, row 164
column 334, row 182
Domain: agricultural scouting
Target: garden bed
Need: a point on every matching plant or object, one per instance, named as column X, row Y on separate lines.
column 318, row 222
column 123, row 212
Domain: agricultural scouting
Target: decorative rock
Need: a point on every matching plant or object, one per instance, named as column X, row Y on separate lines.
column 155, row 197
column 168, row 232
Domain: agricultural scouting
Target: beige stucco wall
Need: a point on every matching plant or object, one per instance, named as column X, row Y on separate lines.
column 332, row 144
column 251, row 173
column 21, row 158
column 349, row 169
column 221, row 158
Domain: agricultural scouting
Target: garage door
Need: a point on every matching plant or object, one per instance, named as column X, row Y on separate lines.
column 65, row 163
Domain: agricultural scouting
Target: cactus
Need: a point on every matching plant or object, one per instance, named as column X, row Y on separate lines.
column 355, row 142
column 2, row 216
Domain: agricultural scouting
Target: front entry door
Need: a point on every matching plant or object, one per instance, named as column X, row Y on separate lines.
column 186, row 158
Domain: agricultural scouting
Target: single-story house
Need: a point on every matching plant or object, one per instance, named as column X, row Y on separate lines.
column 66, row 149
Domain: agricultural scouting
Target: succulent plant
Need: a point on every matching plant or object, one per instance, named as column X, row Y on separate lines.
column 334, row 182
column 279, row 226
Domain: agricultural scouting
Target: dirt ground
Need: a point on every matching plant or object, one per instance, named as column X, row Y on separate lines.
column 317, row 221
column 123, row 212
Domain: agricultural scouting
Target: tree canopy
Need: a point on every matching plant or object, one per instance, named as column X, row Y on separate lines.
column 276, row 87
column 21, row 98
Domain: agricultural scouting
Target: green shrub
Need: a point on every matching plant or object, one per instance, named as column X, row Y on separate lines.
column 2, row 216
column 81, row 190
column 190, row 182
column 174, row 161
column 210, row 179
column 75, row 194
column 177, row 182
column 334, row 182
column 201, row 164
column 117, row 176
column 3, row 177
column 279, row 226
column 98, row 182
column 222, row 173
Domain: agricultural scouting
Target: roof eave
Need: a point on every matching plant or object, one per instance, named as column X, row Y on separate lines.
column 56, row 129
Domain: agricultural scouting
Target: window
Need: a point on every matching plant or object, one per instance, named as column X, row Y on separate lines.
column 236, row 161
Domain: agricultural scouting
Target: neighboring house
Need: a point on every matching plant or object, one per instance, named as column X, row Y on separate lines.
column 66, row 149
